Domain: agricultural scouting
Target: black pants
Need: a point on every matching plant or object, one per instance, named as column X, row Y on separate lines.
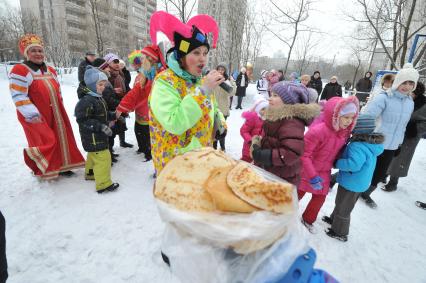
column 382, row 165
column 344, row 204
column 143, row 139
column 240, row 100
column 221, row 141
column 3, row 260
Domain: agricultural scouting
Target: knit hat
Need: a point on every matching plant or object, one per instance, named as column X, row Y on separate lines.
column 110, row 57
column 28, row 41
column 122, row 63
column 348, row 109
column 259, row 105
column 294, row 75
column 264, row 73
column 154, row 52
column 92, row 76
column 333, row 77
column 90, row 53
column 312, row 95
column 407, row 73
column 291, row 93
column 185, row 36
column 98, row 62
column 365, row 124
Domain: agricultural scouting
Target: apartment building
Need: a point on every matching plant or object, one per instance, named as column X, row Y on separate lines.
column 104, row 26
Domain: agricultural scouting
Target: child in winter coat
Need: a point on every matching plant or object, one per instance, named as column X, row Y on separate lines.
column 281, row 146
column 137, row 98
column 252, row 126
column 394, row 108
column 262, row 85
column 323, row 143
column 93, row 118
column 356, row 167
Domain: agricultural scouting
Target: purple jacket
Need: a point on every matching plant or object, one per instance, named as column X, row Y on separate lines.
column 323, row 143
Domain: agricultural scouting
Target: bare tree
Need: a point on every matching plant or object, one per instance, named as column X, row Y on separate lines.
column 57, row 49
column 303, row 51
column 182, row 8
column 391, row 22
column 290, row 18
column 14, row 24
column 254, row 27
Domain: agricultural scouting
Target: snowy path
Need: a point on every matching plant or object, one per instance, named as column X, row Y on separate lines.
column 62, row 231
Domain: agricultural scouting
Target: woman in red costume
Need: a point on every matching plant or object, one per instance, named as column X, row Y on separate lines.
column 35, row 90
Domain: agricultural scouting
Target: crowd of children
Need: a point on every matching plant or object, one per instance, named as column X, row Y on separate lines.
column 359, row 146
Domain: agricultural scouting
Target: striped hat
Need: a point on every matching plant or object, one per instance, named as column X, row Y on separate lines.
column 365, row 124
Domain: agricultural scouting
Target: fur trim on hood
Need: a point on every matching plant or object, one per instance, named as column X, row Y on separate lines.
column 305, row 112
column 374, row 138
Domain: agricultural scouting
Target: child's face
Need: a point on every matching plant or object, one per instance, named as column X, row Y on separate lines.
column 275, row 101
column 346, row 120
column 305, row 81
column 100, row 87
column 406, row 87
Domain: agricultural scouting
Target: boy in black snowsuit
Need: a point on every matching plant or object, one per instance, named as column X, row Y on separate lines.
column 93, row 118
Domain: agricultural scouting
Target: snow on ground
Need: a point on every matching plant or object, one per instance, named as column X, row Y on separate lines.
column 62, row 231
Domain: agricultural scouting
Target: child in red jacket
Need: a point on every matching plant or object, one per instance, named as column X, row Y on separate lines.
column 281, row 145
column 137, row 98
column 323, row 143
column 252, row 126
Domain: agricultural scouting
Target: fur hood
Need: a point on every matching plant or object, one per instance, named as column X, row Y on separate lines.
column 373, row 138
column 306, row 112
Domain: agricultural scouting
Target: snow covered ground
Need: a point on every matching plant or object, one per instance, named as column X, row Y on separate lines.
column 62, row 231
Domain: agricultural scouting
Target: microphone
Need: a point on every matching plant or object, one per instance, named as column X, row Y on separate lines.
column 226, row 87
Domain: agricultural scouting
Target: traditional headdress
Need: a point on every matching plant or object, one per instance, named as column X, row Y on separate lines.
column 27, row 41
column 186, row 37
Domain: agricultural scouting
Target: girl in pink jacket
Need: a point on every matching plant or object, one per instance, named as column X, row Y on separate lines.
column 252, row 126
column 323, row 143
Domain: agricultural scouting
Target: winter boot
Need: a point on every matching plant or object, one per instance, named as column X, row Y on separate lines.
column 310, row 227
column 111, row 188
column 148, row 157
column 139, row 151
column 327, row 219
column 421, row 204
column 67, row 173
column 333, row 234
column 123, row 142
column 392, row 185
column 369, row 201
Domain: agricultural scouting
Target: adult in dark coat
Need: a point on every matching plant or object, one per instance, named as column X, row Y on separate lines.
column 87, row 61
column 242, row 84
column 365, row 84
column 416, row 128
column 127, row 76
column 332, row 89
column 316, row 82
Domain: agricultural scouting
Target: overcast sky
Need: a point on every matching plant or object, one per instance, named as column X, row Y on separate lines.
column 326, row 16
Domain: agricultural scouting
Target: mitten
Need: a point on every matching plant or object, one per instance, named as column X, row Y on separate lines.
column 262, row 156
column 316, row 183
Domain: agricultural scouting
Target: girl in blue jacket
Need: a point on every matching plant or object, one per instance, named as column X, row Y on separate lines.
column 356, row 167
column 393, row 109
